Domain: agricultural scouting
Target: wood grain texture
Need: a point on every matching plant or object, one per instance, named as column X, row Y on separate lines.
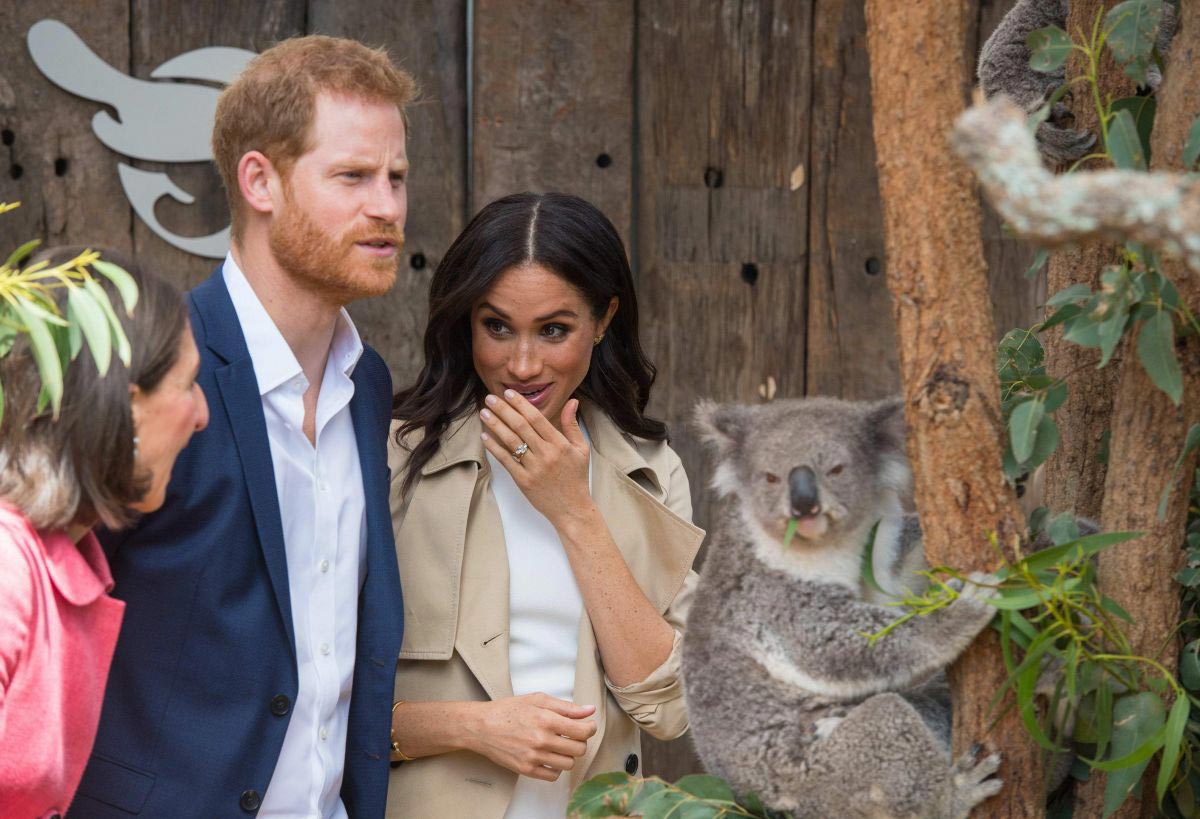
column 553, row 92
column 42, row 124
column 723, row 124
column 932, row 224
column 162, row 29
column 427, row 38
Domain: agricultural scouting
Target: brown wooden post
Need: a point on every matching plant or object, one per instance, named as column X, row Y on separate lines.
column 946, row 347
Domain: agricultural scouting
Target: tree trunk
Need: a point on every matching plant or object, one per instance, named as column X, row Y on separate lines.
column 1148, row 433
column 939, row 287
column 1074, row 478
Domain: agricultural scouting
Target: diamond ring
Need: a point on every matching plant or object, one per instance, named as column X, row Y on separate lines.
column 520, row 451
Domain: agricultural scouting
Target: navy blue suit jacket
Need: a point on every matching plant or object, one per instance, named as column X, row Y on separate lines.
column 204, row 675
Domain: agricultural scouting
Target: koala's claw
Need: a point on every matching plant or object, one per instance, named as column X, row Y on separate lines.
column 974, row 781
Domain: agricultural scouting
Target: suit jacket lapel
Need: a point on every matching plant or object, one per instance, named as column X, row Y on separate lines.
column 238, row 386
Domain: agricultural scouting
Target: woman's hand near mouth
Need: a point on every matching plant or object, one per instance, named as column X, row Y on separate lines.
column 553, row 473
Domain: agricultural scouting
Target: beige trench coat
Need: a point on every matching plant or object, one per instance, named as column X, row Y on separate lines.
column 454, row 570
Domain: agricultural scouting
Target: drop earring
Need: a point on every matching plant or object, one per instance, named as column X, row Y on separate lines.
column 136, row 441
column 596, row 341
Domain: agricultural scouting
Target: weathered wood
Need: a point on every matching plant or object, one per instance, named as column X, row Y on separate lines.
column 944, row 326
column 41, row 124
column 428, row 38
column 850, row 333
column 161, row 30
column 553, row 102
column 723, row 126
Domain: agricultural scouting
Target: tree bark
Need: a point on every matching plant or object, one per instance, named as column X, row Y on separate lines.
column 937, row 278
column 1148, row 433
column 1074, row 475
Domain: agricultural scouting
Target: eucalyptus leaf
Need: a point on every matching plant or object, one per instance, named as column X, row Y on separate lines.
column 1189, row 445
column 1039, row 258
column 1062, row 529
column 1114, row 608
column 868, row 561
column 1138, row 732
column 1045, row 442
column 45, row 355
column 1023, row 428
column 1075, row 548
column 605, row 795
column 84, row 312
column 1049, row 48
column 121, row 279
column 1191, row 148
column 1156, row 350
column 18, row 255
column 1082, row 330
column 1132, row 27
column 1176, row 723
column 1124, row 145
column 124, row 351
column 1142, row 109
column 1070, row 295
column 706, row 787
column 790, row 532
column 1062, row 314
column 1189, row 665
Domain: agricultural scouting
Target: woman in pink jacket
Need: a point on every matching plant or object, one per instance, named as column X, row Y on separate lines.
column 107, row 458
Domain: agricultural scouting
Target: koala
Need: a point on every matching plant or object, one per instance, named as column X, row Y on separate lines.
column 1004, row 68
column 787, row 699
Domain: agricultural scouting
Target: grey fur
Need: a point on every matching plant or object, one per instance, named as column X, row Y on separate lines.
column 786, row 698
column 1004, row 68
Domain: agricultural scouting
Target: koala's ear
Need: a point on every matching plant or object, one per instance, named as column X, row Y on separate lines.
column 885, row 429
column 721, row 426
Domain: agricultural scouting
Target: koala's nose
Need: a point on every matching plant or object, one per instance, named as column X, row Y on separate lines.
column 802, row 488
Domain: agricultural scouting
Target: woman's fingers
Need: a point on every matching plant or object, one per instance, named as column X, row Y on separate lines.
column 565, row 707
column 531, row 414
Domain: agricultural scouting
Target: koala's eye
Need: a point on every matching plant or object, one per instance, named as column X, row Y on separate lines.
column 837, row 470
column 771, row 477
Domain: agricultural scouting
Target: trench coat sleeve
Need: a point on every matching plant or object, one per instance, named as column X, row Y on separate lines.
column 656, row 703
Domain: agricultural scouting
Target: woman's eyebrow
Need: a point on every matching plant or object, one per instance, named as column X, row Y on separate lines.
column 556, row 314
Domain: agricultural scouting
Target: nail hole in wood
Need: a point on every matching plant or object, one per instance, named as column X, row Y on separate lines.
column 713, row 178
column 417, row 261
column 60, row 166
column 16, row 171
column 603, row 161
column 873, row 266
column 7, row 137
column 750, row 273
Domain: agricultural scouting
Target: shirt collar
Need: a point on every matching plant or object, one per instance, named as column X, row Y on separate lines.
column 274, row 362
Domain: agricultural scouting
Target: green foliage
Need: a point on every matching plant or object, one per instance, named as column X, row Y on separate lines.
column 692, row 797
column 1131, row 28
column 1049, row 48
column 27, row 305
column 1191, row 149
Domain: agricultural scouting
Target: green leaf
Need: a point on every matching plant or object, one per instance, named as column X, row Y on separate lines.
column 1049, row 48
column 1023, row 427
column 790, row 532
column 868, row 561
column 1176, row 723
column 1045, row 442
column 124, row 351
column 124, row 283
column 1132, row 27
column 1062, row 530
column 18, row 255
column 1142, row 109
column 83, row 311
column 1124, row 145
column 1189, row 665
column 1056, row 396
column 1070, row 295
column 1114, row 608
column 1082, row 330
column 1191, row 149
column 706, row 787
column 1189, row 445
column 1075, row 549
column 645, row 792
column 605, row 795
column 1039, row 259
column 1156, row 350
column 1064, row 313
column 1138, row 731
column 45, row 354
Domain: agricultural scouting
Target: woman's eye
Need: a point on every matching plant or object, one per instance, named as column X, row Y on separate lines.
column 554, row 331
column 771, row 477
column 494, row 326
column 837, row 470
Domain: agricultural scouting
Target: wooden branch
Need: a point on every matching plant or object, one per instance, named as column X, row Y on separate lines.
column 944, row 330
column 1160, row 209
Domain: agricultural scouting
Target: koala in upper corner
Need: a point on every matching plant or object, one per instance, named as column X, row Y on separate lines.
column 787, row 699
column 1004, row 68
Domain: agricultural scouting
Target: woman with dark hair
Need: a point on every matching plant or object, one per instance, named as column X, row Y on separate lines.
column 542, row 523
column 104, row 460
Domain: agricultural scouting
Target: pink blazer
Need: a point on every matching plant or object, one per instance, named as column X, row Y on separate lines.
column 58, row 629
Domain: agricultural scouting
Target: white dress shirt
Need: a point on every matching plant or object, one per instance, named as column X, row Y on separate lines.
column 323, row 511
column 544, row 607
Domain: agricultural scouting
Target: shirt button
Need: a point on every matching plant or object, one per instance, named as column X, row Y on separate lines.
column 325, row 648
column 324, row 566
column 324, row 733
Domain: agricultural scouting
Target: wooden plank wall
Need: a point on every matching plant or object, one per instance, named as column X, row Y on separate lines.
column 728, row 140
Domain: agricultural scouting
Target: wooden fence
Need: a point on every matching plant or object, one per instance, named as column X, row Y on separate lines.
column 728, row 140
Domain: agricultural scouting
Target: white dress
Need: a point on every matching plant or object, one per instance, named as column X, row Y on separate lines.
column 544, row 607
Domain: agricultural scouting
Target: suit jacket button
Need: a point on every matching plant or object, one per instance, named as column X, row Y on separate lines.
column 280, row 704
column 250, row 801
column 631, row 764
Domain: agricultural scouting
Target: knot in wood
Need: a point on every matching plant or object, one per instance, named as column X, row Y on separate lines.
column 943, row 396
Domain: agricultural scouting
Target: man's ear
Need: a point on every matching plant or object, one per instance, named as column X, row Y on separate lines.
column 259, row 182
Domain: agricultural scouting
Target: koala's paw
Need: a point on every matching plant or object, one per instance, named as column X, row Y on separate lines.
column 973, row 781
column 1060, row 145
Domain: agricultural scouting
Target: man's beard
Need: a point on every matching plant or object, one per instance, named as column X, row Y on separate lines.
column 333, row 266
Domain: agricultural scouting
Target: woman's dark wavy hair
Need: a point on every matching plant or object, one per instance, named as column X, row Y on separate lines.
column 569, row 237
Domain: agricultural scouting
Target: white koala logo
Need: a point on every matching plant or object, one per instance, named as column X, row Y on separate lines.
column 158, row 121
